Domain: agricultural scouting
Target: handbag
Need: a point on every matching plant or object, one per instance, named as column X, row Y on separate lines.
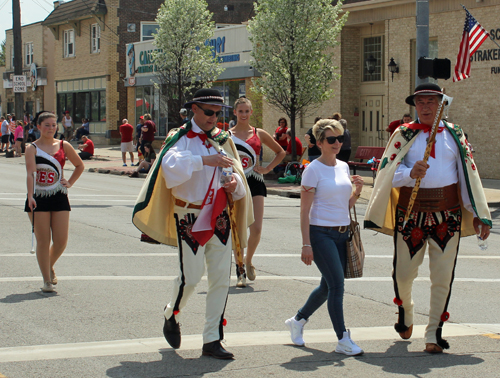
column 355, row 250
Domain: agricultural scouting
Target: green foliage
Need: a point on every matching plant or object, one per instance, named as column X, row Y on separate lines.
column 293, row 43
column 2, row 53
column 183, row 61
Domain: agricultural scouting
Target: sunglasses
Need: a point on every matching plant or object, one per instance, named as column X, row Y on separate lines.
column 210, row 112
column 333, row 139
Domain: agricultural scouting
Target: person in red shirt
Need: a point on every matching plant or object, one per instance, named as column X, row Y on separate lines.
column 148, row 131
column 127, row 134
column 280, row 133
column 86, row 148
column 395, row 124
column 298, row 146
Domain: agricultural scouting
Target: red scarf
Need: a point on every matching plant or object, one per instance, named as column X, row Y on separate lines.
column 202, row 136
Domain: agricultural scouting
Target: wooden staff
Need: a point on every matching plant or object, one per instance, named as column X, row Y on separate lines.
column 428, row 149
column 234, row 229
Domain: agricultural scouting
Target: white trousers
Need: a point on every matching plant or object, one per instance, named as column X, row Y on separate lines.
column 192, row 259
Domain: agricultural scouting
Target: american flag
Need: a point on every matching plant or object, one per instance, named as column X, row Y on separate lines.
column 473, row 36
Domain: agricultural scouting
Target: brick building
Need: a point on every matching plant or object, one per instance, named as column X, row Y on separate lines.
column 38, row 67
column 387, row 29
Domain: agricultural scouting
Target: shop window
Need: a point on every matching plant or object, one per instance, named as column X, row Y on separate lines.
column 147, row 30
column 69, row 43
column 372, row 49
column 28, row 49
column 96, row 38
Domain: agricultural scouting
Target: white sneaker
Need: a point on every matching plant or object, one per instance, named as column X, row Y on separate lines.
column 47, row 287
column 347, row 346
column 242, row 282
column 296, row 330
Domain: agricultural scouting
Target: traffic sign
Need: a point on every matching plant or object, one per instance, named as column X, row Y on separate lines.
column 19, row 83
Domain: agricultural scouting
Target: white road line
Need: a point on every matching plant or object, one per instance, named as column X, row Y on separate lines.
column 239, row 339
column 261, row 278
column 174, row 254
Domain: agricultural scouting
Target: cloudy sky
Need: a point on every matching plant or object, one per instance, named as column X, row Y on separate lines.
column 31, row 11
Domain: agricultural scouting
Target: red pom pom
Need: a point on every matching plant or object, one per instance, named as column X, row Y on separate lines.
column 445, row 316
column 398, row 302
column 224, row 322
column 176, row 312
column 397, row 144
column 393, row 156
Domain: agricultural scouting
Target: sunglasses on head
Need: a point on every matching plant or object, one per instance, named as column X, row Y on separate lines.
column 210, row 112
column 333, row 139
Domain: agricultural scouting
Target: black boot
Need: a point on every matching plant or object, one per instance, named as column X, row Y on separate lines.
column 215, row 350
column 172, row 332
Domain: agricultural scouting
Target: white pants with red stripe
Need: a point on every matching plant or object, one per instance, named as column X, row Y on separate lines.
column 192, row 260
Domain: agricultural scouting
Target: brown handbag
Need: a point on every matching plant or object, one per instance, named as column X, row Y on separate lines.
column 355, row 250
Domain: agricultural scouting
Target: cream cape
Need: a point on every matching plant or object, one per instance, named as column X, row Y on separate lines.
column 154, row 208
column 381, row 212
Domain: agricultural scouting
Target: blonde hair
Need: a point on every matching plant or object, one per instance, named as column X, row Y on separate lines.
column 319, row 129
column 147, row 117
column 337, row 116
column 242, row 100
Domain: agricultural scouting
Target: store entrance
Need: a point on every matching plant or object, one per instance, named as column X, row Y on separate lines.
column 372, row 131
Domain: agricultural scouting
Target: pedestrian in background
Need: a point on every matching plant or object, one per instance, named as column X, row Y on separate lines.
column 127, row 133
column 86, row 148
column 148, row 131
column 12, row 131
column 68, row 126
column 5, row 134
column 45, row 160
column 183, row 113
column 19, row 138
column 345, row 150
column 280, row 133
column 313, row 151
column 325, row 200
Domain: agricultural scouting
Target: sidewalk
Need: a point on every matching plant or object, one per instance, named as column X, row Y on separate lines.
column 108, row 159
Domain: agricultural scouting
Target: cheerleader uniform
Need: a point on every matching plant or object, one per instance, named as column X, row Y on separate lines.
column 249, row 152
column 50, row 194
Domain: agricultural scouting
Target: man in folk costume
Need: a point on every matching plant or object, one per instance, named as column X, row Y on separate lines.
column 182, row 203
column 450, row 204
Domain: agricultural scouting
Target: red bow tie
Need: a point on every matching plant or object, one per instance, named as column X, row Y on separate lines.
column 202, row 136
column 426, row 129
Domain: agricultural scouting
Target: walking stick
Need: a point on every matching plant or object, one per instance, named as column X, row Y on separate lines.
column 33, row 218
column 430, row 142
column 234, row 228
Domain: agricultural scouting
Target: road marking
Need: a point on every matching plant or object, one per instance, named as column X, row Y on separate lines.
column 237, row 339
column 2, row 376
column 492, row 335
column 261, row 278
column 174, row 254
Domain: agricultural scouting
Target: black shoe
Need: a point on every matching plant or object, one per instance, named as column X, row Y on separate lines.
column 172, row 332
column 215, row 350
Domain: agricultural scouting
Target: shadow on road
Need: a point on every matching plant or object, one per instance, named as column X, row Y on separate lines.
column 171, row 365
column 397, row 359
column 315, row 360
column 18, row 298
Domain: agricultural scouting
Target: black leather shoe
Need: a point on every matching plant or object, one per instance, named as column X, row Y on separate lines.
column 172, row 332
column 215, row 350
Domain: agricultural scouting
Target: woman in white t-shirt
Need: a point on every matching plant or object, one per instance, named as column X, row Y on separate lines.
column 326, row 198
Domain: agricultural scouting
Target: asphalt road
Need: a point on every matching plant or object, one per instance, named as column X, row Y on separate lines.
column 106, row 318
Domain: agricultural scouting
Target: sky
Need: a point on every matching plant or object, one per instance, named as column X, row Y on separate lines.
column 31, row 11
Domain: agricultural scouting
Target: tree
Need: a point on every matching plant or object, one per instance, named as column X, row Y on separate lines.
column 2, row 53
column 185, row 59
column 293, row 43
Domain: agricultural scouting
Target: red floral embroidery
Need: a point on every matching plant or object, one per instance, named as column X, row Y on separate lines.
column 445, row 316
column 393, row 156
column 442, row 230
column 416, row 235
column 398, row 301
column 176, row 312
column 397, row 144
column 473, row 166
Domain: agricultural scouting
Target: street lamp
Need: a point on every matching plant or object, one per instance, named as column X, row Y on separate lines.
column 393, row 68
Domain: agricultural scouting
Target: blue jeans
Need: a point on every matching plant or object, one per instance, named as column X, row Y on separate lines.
column 329, row 250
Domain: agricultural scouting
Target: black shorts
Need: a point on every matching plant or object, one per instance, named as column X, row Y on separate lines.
column 257, row 187
column 55, row 202
column 19, row 139
column 5, row 138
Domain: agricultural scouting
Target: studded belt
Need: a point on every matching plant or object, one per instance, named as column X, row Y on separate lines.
column 432, row 199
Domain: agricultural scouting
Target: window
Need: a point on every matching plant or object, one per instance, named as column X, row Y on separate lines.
column 69, row 43
column 12, row 56
column 28, row 49
column 372, row 49
column 90, row 105
column 96, row 38
column 147, row 31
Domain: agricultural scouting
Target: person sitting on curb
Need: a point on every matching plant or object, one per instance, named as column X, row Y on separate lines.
column 86, row 148
column 145, row 165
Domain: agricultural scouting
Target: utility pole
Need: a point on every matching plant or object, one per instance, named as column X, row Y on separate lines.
column 18, row 56
column 422, row 36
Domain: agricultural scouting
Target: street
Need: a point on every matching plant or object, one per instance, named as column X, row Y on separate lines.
column 106, row 318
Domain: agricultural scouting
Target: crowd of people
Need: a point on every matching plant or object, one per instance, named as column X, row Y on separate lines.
column 206, row 197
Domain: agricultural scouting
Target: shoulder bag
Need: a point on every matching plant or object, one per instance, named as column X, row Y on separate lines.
column 355, row 250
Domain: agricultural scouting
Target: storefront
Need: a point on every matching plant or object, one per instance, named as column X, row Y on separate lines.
column 232, row 47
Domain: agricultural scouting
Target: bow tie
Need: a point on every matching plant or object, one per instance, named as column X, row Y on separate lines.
column 202, row 136
column 426, row 129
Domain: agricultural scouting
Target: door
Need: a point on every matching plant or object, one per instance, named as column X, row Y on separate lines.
column 372, row 131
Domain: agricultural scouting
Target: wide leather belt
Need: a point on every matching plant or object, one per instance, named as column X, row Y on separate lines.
column 431, row 200
column 340, row 229
column 181, row 203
